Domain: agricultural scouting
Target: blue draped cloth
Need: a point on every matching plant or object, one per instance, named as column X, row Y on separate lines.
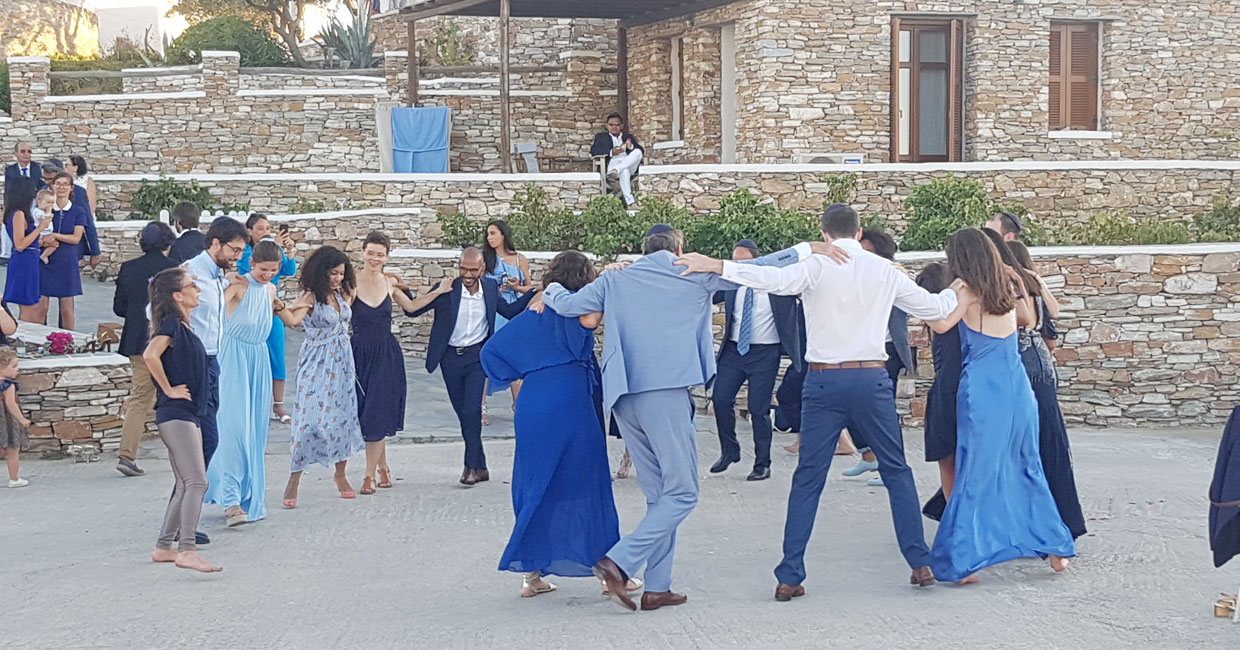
column 561, row 485
column 420, row 139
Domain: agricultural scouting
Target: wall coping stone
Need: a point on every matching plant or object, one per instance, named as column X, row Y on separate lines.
column 311, row 92
column 220, row 54
column 392, row 54
column 487, row 92
column 581, row 54
column 469, row 177
column 130, row 97
column 30, row 59
column 189, row 69
column 1069, row 134
column 292, row 216
column 69, row 362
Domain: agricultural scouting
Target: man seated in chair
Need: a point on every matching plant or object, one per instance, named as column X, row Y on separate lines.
column 623, row 154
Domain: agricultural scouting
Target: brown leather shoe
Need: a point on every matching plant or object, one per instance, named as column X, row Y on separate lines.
column 785, row 593
column 922, row 577
column 652, row 600
column 611, row 575
column 481, row 475
column 468, row 477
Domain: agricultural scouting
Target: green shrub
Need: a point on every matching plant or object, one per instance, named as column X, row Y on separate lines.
column 166, row 193
column 742, row 215
column 90, row 85
column 1220, row 223
column 6, row 101
column 941, row 207
column 841, row 188
column 228, row 33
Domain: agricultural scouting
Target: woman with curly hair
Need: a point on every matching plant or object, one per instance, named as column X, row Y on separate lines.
column 325, row 425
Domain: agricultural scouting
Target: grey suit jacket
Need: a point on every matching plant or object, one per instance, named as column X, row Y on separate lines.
column 657, row 333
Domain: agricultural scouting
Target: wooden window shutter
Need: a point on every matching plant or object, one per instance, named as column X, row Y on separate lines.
column 895, row 91
column 955, row 129
column 1073, row 86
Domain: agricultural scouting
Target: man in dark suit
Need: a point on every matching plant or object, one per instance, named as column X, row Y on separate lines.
column 758, row 329
column 624, row 155
column 899, row 355
column 465, row 311
column 22, row 167
column 191, row 242
column 129, row 303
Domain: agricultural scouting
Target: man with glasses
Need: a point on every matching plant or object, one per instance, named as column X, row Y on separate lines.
column 23, row 167
column 623, row 153
column 1006, row 224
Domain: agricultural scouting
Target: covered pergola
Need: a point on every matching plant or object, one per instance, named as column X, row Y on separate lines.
column 628, row 13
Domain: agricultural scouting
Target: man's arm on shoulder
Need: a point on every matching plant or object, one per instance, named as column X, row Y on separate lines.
column 778, row 259
column 514, row 309
column 918, row 302
column 566, row 303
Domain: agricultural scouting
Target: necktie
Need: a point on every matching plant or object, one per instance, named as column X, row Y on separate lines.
column 742, row 339
column 26, row 172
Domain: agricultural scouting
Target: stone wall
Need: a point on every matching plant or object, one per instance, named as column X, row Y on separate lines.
column 294, row 79
column 535, row 41
column 47, row 27
column 814, row 76
column 1053, row 192
column 1150, row 335
column 74, row 401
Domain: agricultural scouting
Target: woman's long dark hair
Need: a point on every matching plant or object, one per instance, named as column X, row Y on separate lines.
column 973, row 257
column 249, row 225
column 489, row 256
column 571, row 269
column 19, row 194
column 316, row 274
column 163, row 285
column 1032, row 286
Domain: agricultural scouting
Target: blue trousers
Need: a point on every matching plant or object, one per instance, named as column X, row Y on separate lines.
column 465, row 379
column 659, row 433
column 210, row 431
column 860, row 399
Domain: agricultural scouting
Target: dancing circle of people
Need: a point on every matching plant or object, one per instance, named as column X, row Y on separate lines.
column 837, row 308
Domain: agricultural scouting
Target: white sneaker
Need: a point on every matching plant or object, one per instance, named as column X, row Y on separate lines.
column 21, row 482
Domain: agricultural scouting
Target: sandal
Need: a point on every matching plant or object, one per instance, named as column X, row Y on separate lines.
column 385, row 478
column 486, row 420
column 368, row 486
column 237, row 518
column 626, row 466
column 1225, row 606
column 282, row 419
column 529, row 591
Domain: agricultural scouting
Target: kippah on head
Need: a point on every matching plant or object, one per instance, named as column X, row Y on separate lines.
column 745, row 243
column 658, row 228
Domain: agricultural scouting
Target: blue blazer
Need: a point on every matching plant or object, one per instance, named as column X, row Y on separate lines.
column 658, row 330
column 897, row 326
column 13, row 172
column 447, row 306
column 90, row 243
column 789, row 323
column 602, row 144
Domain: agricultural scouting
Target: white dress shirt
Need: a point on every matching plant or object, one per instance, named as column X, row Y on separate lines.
column 471, row 320
column 763, row 330
column 847, row 306
column 207, row 319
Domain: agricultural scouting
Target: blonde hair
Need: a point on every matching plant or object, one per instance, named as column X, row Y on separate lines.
column 7, row 356
column 43, row 193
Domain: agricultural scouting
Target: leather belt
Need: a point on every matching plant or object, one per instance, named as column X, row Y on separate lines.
column 847, row 365
column 460, row 351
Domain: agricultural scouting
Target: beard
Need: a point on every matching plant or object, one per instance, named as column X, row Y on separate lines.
column 225, row 265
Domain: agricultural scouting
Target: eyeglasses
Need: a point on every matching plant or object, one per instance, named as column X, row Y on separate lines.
column 235, row 250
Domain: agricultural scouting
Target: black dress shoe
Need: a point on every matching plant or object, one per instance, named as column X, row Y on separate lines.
column 785, row 593
column 481, row 475
column 201, row 539
column 722, row 464
column 468, row 477
column 759, row 474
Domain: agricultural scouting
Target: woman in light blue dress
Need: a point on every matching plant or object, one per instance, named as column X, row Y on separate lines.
column 1000, row 507
column 237, row 474
column 260, row 229
column 511, row 271
column 325, row 425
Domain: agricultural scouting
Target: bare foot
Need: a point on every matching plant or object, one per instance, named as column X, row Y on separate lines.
column 1059, row 564
column 970, row 580
column 290, row 492
column 163, row 555
column 191, row 560
column 793, row 448
column 346, row 490
column 279, row 411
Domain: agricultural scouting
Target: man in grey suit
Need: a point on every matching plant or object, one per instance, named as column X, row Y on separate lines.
column 657, row 344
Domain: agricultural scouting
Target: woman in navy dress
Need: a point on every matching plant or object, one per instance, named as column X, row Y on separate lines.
column 21, row 283
column 377, row 356
column 940, row 427
column 1000, row 507
column 561, row 489
column 60, row 277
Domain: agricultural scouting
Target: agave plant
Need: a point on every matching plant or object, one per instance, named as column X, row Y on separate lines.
column 353, row 43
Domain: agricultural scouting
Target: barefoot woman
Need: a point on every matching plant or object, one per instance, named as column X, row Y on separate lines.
column 325, row 427
column 178, row 365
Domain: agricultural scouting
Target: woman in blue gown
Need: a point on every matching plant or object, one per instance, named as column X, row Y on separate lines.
column 237, row 474
column 1000, row 507
column 511, row 271
column 561, row 489
column 260, row 229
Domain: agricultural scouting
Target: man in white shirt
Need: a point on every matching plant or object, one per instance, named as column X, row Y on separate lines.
column 759, row 329
column 465, row 310
column 624, row 155
column 847, row 307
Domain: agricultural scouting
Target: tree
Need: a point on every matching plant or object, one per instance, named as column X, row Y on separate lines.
column 197, row 11
column 281, row 17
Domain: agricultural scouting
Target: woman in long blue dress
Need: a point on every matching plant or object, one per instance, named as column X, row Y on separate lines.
column 561, row 488
column 325, row 426
column 260, row 229
column 378, row 359
column 1053, row 442
column 21, row 282
column 511, row 271
column 237, row 473
column 1000, row 507
column 60, row 277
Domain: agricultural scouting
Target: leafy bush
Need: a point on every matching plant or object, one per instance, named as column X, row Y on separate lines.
column 166, row 193
column 941, row 207
column 6, row 101
column 229, row 33
column 1220, row 223
column 840, row 189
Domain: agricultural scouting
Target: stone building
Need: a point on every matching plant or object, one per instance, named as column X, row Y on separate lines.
column 46, row 27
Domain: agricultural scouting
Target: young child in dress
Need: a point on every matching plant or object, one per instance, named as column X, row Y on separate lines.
column 44, row 203
column 13, row 424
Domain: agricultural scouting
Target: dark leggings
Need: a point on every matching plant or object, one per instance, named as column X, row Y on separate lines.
column 184, row 442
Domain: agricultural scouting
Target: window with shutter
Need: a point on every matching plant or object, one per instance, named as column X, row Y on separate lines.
column 1073, row 89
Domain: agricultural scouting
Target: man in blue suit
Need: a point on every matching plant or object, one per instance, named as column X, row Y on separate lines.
column 758, row 329
column 465, row 311
column 657, row 343
column 22, row 167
